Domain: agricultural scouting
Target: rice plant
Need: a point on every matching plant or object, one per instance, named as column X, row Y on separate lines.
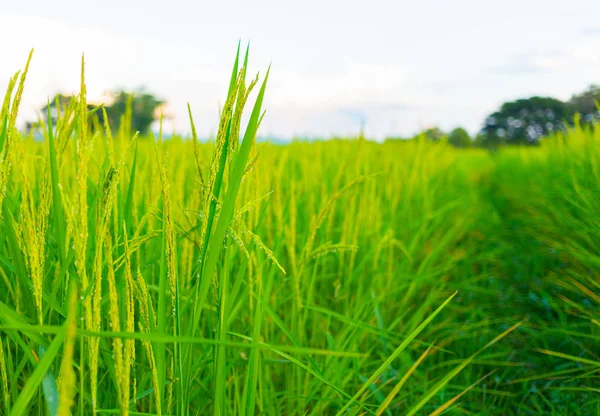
column 148, row 276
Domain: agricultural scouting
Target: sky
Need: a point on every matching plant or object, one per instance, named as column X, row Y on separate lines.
column 398, row 66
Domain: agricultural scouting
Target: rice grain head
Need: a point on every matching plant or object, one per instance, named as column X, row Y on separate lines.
column 144, row 325
column 121, row 365
column 67, row 379
column 4, row 378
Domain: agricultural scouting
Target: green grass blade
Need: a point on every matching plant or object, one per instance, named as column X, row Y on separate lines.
column 234, row 72
column 49, row 389
column 450, row 402
column 579, row 360
column 220, row 395
column 130, row 190
column 216, row 191
column 21, row 405
column 57, row 208
column 383, row 407
column 35, row 330
column 216, row 242
column 437, row 387
column 395, row 354
column 162, row 317
column 16, row 254
column 12, row 319
column 249, row 394
column 3, row 133
column 301, row 365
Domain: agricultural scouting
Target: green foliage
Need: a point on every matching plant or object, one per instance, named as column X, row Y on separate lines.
column 135, row 111
column 143, row 109
column 59, row 105
column 586, row 103
column 459, row 137
column 525, row 121
column 433, row 133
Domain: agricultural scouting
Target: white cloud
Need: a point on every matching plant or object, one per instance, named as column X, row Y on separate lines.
column 56, row 63
column 394, row 63
column 354, row 84
column 584, row 51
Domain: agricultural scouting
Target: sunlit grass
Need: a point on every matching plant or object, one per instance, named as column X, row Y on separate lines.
column 145, row 276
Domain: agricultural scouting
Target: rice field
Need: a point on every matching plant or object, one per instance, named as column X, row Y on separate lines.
column 145, row 276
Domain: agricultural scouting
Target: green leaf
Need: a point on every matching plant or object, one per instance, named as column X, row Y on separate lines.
column 130, row 190
column 57, row 208
column 216, row 241
column 17, row 255
column 437, row 387
column 395, row 355
column 22, row 403
column 49, row 388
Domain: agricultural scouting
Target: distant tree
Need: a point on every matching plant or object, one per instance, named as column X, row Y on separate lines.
column 586, row 103
column 459, row 137
column 396, row 138
column 479, row 140
column 525, row 121
column 142, row 104
column 433, row 133
column 63, row 102
column 51, row 108
column 143, row 109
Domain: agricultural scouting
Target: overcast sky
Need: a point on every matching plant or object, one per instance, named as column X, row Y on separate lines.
column 400, row 65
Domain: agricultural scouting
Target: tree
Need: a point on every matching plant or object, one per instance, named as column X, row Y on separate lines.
column 143, row 109
column 586, row 103
column 525, row 121
column 63, row 101
column 459, row 138
column 143, row 106
column 433, row 133
column 479, row 140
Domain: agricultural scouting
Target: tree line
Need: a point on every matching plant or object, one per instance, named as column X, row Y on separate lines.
column 139, row 108
column 525, row 121
column 521, row 122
